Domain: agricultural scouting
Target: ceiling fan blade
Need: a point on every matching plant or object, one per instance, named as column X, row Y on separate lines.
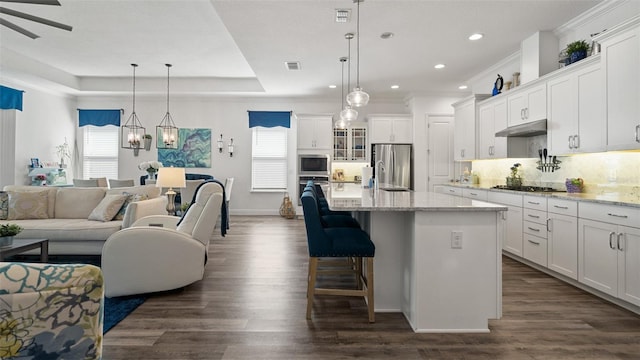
column 37, row 19
column 37, row 2
column 17, row 28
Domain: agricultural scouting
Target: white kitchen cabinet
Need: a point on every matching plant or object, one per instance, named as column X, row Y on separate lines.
column 629, row 264
column 350, row 144
column 620, row 48
column 391, row 129
column 527, row 104
column 450, row 190
column 492, row 117
column 476, row 194
column 598, row 256
column 562, row 237
column 576, row 108
column 513, row 240
column 534, row 227
column 464, row 133
column 315, row 132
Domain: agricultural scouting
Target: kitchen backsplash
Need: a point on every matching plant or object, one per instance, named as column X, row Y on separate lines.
column 349, row 169
column 611, row 173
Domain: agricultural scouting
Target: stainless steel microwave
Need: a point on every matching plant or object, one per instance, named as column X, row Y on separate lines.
column 314, row 165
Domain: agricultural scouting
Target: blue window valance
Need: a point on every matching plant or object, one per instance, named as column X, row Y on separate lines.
column 99, row 117
column 270, row 118
column 10, row 98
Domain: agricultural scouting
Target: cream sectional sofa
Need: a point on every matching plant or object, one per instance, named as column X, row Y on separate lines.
column 61, row 214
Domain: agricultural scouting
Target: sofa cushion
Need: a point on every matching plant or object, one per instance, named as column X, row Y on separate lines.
column 77, row 203
column 52, row 194
column 80, row 230
column 107, row 208
column 28, row 205
column 129, row 199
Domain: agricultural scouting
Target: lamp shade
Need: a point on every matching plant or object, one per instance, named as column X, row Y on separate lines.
column 348, row 114
column 357, row 98
column 171, row 177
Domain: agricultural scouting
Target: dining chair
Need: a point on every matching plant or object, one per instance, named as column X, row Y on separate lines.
column 85, row 182
column 117, row 183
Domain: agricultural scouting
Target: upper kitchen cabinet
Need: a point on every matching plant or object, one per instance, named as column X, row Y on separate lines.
column 350, row 144
column 576, row 109
column 527, row 103
column 492, row 117
column 464, row 133
column 315, row 132
column 620, row 48
column 391, row 129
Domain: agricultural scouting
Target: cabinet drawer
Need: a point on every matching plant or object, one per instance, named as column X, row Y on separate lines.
column 535, row 202
column 612, row 214
column 452, row 191
column 505, row 198
column 535, row 249
column 562, row 207
column 536, row 216
column 539, row 230
column 475, row 194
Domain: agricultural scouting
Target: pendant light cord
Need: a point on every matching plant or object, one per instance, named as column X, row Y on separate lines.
column 358, row 48
column 168, row 67
column 342, row 60
column 134, row 87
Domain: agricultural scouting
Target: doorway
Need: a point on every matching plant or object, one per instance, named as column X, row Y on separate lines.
column 439, row 149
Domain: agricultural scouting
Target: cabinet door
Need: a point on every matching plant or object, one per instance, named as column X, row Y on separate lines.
column 590, row 116
column 513, row 236
column 598, row 256
column 464, row 141
column 561, row 123
column 562, row 245
column 621, row 56
column 629, row 264
column 516, row 104
column 323, row 134
column 340, row 144
column 536, row 103
column 499, row 123
column 306, row 133
column 381, row 130
column 403, row 131
column 358, row 143
column 486, row 132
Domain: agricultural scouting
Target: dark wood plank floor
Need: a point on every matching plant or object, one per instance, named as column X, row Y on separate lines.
column 251, row 305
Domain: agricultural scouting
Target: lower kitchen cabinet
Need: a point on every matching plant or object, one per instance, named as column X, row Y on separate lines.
column 513, row 217
column 562, row 237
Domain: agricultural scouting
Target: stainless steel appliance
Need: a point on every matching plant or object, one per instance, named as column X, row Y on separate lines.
column 314, row 165
column 392, row 166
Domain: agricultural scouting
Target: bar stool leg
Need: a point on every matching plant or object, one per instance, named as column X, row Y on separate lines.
column 372, row 315
column 311, row 284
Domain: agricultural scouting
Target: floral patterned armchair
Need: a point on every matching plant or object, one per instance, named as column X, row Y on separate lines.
column 50, row 311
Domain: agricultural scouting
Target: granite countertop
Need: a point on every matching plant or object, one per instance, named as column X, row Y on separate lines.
column 608, row 199
column 352, row 197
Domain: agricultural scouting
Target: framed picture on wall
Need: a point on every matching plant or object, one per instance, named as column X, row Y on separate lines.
column 35, row 162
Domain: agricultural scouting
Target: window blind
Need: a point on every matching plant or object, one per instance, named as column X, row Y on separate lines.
column 269, row 159
column 100, row 155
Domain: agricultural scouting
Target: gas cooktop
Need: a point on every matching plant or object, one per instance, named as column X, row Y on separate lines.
column 527, row 188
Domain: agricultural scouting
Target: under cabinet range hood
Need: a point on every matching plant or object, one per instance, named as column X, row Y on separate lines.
column 533, row 128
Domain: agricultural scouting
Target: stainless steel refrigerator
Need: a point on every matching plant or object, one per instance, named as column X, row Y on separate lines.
column 392, row 165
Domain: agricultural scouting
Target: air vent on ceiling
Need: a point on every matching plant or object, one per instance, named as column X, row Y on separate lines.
column 292, row 65
column 343, row 15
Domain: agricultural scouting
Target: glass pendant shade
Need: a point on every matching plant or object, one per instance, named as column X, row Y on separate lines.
column 340, row 124
column 357, row 98
column 166, row 131
column 132, row 132
column 348, row 114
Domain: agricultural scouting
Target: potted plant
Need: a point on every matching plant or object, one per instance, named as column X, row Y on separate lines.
column 7, row 232
column 147, row 141
column 514, row 180
column 577, row 51
column 64, row 152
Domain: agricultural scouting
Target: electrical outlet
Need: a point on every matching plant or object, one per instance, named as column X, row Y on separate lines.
column 456, row 239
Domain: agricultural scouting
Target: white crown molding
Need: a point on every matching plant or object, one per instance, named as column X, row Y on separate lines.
column 595, row 12
column 495, row 67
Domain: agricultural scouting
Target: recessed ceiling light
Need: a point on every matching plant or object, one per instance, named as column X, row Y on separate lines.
column 395, row 86
column 439, row 66
column 332, row 86
column 476, row 36
column 462, row 87
column 386, row 35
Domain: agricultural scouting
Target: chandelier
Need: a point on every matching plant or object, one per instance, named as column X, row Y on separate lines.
column 132, row 132
column 166, row 131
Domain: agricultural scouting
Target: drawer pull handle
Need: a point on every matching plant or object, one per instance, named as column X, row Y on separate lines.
column 452, row 191
column 620, row 242
column 561, row 207
column 611, row 240
column 474, row 194
column 616, row 215
column 548, row 227
column 532, row 229
column 533, row 203
column 533, row 242
column 533, row 216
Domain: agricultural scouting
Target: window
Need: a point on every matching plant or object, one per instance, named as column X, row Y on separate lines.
column 100, row 158
column 269, row 159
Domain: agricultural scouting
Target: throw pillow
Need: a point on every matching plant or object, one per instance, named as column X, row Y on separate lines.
column 28, row 205
column 4, row 205
column 130, row 198
column 107, row 208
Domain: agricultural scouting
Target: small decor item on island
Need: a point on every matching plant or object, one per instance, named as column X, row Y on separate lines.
column 497, row 85
column 577, row 51
column 286, row 209
column 148, row 140
column 514, row 180
column 64, row 152
column 151, row 167
column 574, row 185
column 7, row 232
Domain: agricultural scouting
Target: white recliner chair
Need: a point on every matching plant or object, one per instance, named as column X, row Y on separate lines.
column 158, row 254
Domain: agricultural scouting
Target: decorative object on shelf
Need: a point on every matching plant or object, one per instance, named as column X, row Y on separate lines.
column 41, row 179
column 358, row 97
column 148, row 139
column 514, row 180
column 194, row 150
column 577, row 51
column 516, row 79
column 220, row 144
column 35, row 163
column 348, row 114
column 230, row 147
column 507, row 85
column 574, row 185
column 151, row 167
column 170, row 177
column 497, row 85
column 64, row 152
column 132, row 130
column 167, row 130
column 286, row 208
column 547, row 163
column 7, row 232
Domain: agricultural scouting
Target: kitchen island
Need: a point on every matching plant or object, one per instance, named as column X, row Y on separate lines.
column 438, row 257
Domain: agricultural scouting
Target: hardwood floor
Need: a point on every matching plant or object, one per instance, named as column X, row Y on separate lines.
column 251, row 305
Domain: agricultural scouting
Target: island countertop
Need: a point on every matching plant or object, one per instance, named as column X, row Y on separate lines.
column 352, row 197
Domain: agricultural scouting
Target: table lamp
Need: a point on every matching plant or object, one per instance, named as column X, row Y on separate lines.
column 170, row 177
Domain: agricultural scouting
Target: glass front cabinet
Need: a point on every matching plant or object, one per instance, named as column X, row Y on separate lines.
column 350, row 144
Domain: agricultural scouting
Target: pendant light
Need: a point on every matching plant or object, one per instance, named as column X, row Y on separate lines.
column 341, row 123
column 348, row 114
column 132, row 132
column 167, row 132
column 358, row 97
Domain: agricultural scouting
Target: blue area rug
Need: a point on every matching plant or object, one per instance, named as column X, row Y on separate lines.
column 117, row 308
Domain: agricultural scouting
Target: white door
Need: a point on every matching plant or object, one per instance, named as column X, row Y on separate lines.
column 439, row 150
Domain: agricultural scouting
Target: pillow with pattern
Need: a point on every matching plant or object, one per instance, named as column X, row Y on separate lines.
column 4, row 205
column 130, row 198
column 28, row 205
column 107, row 208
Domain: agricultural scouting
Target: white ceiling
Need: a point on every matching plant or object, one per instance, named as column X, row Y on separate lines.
column 238, row 47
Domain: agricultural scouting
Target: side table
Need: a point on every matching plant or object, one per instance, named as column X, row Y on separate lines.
column 22, row 245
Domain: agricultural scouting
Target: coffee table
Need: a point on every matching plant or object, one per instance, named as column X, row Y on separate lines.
column 22, row 245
